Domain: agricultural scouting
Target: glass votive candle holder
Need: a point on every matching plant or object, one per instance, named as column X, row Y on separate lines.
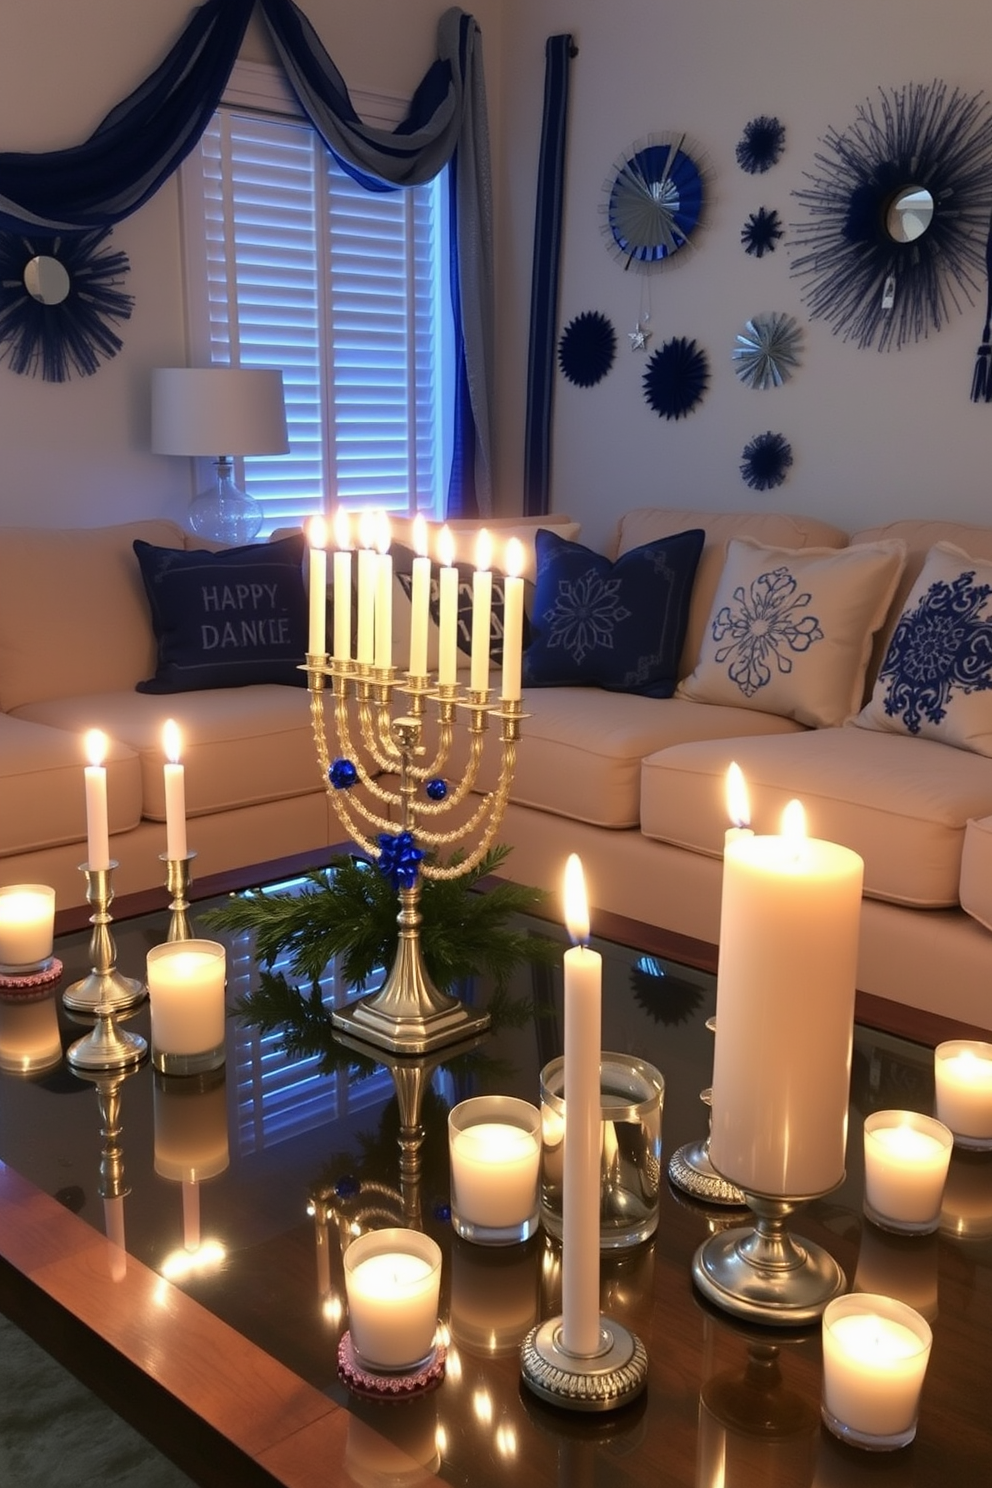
column 392, row 1280
column 186, row 994
column 875, row 1355
column 963, row 1079
column 494, row 1142
column 27, row 921
column 906, row 1161
column 632, row 1094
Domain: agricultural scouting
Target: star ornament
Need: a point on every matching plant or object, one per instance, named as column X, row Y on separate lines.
column 639, row 338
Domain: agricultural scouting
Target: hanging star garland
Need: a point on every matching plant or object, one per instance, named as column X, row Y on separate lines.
column 639, row 338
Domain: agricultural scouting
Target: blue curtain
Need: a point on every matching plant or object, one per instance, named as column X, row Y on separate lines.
column 147, row 136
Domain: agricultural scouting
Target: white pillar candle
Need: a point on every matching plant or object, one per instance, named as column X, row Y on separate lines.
column 482, row 603
column 367, row 570
column 963, row 1079
column 420, row 599
column 383, row 650
column 875, row 1354
column 513, row 620
column 906, row 1161
column 785, row 1012
column 447, row 672
column 317, row 538
column 27, row 918
column 95, row 778
column 175, row 792
column 186, row 994
column 495, row 1159
column 738, row 804
column 580, row 1197
column 392, row 1278
column 342, row 586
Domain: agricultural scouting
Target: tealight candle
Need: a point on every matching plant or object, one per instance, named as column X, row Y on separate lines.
column 963, row 1078
column 906, row 1160
column 186, row 994
column 27, row 915
column 392, row 1279
column 875, row 1354
column 495, row 1152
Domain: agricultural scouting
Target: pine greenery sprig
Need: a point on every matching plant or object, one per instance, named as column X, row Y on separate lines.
column 349, row 910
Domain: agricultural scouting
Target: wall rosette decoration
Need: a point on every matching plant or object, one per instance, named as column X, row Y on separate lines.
column 767, row 350
column 655, row 202
column 676, row 378
column 586, row 348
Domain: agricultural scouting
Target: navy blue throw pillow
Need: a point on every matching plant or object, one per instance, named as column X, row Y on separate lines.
column 226, row 619
column 618, row 625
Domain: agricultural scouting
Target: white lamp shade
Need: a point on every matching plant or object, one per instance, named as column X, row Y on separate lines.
column 218, row 411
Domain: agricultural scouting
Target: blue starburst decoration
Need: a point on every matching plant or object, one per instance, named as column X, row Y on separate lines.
column 761, row 232
column 676, row 378
column 587, row 348
column 764, row 624
column 342, row 774
column 761, row 145
column 765, row 461
column 942, row 645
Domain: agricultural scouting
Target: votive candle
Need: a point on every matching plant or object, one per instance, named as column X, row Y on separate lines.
column 963, row 1080
column 175, row 792
column 495, row 1155
column 186, row 994
column 27, row 916
column 392, row 1279
column 906, row 1161
column 875, row 1355
column 95, row 779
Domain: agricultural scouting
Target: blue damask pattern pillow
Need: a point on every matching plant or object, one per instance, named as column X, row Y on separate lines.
column 226, row 619
column 618, row 625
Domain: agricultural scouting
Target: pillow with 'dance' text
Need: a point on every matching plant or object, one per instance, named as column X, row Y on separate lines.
column 226, row 619
column 936, row 679
column 619, row 626
column 790, row 630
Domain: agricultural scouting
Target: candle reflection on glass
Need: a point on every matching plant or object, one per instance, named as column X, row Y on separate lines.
column 29, row 1036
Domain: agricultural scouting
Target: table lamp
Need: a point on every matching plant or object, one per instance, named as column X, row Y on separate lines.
column 201, row 410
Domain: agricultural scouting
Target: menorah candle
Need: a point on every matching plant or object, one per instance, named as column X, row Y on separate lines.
column 513, row 620
column 963, row 1079
column 447, row 672
column 342, row 586
column 367, row 571
column 789, row 923
column 738, row 804
column 420, row 599
column 383, row 647
column 95, row 779
column 317, row 538
column 580, row 1196
column 392, row 1278
column 175, row 792
column 27, row 917
column 482, row 603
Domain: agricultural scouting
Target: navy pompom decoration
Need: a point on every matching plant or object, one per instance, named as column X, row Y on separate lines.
column 587, row 348
column 436, row 790
column 761, row 231
column 761, row 145
column 766, row 459
column 342, row 774
column 676, row 378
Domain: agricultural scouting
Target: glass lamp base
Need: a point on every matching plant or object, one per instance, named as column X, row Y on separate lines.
column 223, row 512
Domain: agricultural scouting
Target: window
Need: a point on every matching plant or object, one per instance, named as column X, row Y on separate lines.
column 292, row 264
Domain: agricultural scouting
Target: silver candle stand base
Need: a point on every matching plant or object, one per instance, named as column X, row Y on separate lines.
column 104, row 988
column 177, row 882
column 604, row 1381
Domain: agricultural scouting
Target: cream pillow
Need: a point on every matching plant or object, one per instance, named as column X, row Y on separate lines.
column 936, row 679
column 790, row 630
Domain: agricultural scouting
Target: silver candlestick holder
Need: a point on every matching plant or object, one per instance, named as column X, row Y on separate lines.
column 104, row 988
column 764, row 1274
column 177, row 882
column 690, row 1169
column 604, row 1381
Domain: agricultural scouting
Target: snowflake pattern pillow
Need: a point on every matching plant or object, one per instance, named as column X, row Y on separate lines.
column 790, row 631
column 936, row 679
column 618, row 625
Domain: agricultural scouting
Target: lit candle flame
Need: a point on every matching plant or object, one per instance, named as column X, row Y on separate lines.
column 342, row 529
column 366, row 529
column 446, row 546
column 794, row 824
column 383, row 536
column 513, row 561
column 95, row 745
column 317, row 532
column 420, row 535
column 171, row 740
column 738, row 805
column 484, row 550
column 576, row 905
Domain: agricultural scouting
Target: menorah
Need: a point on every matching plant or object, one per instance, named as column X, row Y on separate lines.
column 410, row 828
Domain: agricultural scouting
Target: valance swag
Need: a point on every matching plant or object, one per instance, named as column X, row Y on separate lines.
column 147, row 136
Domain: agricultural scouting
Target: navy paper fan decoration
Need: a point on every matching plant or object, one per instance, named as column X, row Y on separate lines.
column 766, row 460
column 676, row 378
column 761, row 145
column 587, row 348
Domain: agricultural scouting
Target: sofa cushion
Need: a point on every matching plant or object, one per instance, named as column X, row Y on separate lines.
column 791, row 630
column 240, row 746
column 935, row 681
column 619, row 626
column 644, row 524
column 73, row 613
column 976, row 871
column 901, row 803
column 226, row 619
column 42, row 797
column 580, row 754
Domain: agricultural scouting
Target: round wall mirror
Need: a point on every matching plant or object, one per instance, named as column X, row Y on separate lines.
column 46, row 280
column 909, row 214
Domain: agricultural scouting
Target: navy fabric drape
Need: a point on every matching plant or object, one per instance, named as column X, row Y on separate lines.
column 147, row 136
column 558, row 53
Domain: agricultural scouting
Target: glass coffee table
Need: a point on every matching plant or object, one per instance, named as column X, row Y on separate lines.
column 177, row 1243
